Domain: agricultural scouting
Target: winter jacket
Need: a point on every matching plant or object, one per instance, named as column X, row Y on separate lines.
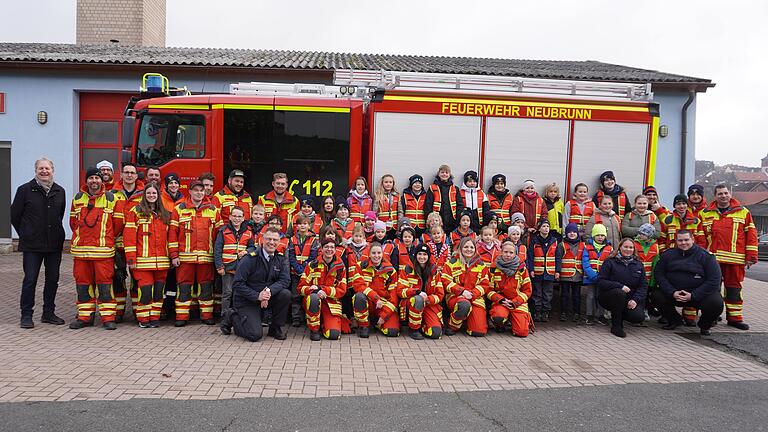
column 37, row 217
column 633, row 220
column 448, row 212
column 555, row 212
column 475, row 200
column 612, row 224
column 695, row 271
column 254, row 274
column 617, row 273
column 533, row 209
column 593, row 264
column 621, row 204
column 228, row 245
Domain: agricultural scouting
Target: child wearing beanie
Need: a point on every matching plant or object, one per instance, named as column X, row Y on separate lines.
column 571, row 274
column 596, row 251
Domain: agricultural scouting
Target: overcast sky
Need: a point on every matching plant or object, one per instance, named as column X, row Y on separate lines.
column 725, row 42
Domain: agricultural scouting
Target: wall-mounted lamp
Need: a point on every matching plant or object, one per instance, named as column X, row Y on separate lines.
column 663, row 131
column 42, row 117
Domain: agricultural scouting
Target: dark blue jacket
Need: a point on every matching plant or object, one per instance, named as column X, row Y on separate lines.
column 695, row 271
column 614, row 274
column 254, row 273
column 37, row 217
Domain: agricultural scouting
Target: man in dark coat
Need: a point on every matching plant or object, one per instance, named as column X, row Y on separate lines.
column 36, row 215
column 689, row 276
column 262, row 280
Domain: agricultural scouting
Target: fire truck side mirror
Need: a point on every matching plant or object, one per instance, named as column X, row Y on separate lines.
column 129, row 123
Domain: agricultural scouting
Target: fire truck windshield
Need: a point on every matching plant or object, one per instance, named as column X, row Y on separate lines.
column 164, row 137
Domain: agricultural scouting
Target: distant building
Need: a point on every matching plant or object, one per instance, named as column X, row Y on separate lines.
column 128, row 22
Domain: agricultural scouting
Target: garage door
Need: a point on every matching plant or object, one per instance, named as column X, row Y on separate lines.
column 101, row 117
column 405, row 144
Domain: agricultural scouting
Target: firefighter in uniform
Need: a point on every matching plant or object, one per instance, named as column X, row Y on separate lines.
column 194, row 225
column 511, row 289
column 146, row 250
column 374, row 281
column 420, row 287
column 443, row 197
column 732, row 237
column 279, row 201
column 500, row 200
column 128, row 193
column 302, row 249
column 466, row 280
column 412, row 204
column 93, row 249
column 233, row 241
column 323, row 285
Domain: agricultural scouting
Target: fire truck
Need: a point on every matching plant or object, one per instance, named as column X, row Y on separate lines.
column 371, row 123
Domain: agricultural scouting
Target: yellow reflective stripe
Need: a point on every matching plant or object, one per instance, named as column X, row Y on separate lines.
column 243, row 107
column 181, row 106
column 511, row 102
column 310, row 108
column 653, row 149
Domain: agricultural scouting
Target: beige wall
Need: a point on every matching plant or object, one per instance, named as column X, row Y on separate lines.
column 132, row 22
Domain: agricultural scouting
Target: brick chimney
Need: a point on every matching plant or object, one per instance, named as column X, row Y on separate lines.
column 129, row 22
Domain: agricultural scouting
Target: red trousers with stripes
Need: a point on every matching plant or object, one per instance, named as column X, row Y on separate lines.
column 93, row 283
column 520, row 319
column 151, row 292
column 733, row 275
column 194, row 282
column 477, row 323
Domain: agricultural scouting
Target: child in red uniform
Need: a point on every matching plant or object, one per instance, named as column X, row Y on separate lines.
column 511, row 289
column 463, row 230
column 386, row 203
column 488, row 247
column 359, row 200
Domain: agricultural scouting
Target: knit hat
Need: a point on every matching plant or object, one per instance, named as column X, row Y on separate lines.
column 415, row 178
column 422, row 248
column 465, row 212
column 607, row 175
column 647, row 230
column 599, row 229
column 542, row 223
column 327, row 240
column 370, row 215
column 341, row 202
column 92, row 171
column 105, row 164
column 649, row 189
column 409, row 229
column 379, row 225
column 307, row 200
column 517, row 217
column 571, row 227
column 528, row 182
column 470, row 175
column 499, row 178
column 236, row 173
column 403, row 222
column 699, row 189
column 680, row 198
column 513, row 229
column 171, row 176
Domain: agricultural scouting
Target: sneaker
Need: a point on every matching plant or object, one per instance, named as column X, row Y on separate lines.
column 363, row 332
column 225, row 329
column 296, row 323
column 590, row 320
column 536, row 317
column 705, row 332
column 77, row 324
column 180, row 323
column 314, row 336
column 51, row 318
column 26, row 322
column 416, row 335
column 603, row 320
column 154, row 324
column 741, row 325
column 144, row 325
column 563, row 317
column 109, row 325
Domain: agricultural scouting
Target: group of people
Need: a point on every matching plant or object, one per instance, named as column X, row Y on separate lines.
column 437, row 258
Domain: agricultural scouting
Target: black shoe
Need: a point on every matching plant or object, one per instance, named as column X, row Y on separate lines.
column 77, row 324
column 449, row 331
column 672, row 325
column 314, row 336
column 144, row 325
column 618, row 331
column 689, row 323
column 576, row 318
column 296, row 323
column 277, row 333
column 603, row 320
column 363, row 332
column 26, row 322
column 662, row 320
column 180, row 323
column 563, row 317
column 51, row 318
column 109, row 325
column 741, row 325
column 499, row 329
column 225, row 329
column 209, row 321
column 590, row 321
column 416, row 335
column 118, row 318
column 154, row 324
column 545, row 317
column 654, row 312
column 705, row 332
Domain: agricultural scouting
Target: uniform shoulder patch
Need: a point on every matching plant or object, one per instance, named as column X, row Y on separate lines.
column 109, row 195
column 78, row 195
column 668, row 219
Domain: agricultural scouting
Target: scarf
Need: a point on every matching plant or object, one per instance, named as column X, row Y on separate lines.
column 414, row 194
column 571, row 241
column 359, row 197
column 508, row 267
column 342, row 222
column 45, row 185
column 625, row 260
column 530, row 195
column 613, row 192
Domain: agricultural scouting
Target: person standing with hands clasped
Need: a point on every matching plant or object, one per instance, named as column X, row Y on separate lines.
column 622, row 287
column 36, row 215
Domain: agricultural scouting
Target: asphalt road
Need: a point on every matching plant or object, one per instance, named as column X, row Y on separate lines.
column 730, row 406
column 758, row 271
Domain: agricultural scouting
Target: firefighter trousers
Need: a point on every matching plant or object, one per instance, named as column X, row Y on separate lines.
column 150, row 292
column 733, row 275
column 462, row 310
column 365, row 309
column 319, row 314
column 93, row 283
column 519, row 318
column 194, row 282
column 428, row 318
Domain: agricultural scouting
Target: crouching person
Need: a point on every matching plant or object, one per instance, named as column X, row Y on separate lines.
column 421, row 290
column 323, row 285
column 374, row 282
column 511, row 289
column 262, row 281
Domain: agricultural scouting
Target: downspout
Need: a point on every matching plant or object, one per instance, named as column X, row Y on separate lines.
column 684, row 139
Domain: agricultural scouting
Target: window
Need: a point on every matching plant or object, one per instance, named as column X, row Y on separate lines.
column 92, row 155
column 164, row 137
column 100, row 132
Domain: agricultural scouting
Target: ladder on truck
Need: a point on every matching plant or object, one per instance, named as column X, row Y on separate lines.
column 390, row 80
column 297, row 89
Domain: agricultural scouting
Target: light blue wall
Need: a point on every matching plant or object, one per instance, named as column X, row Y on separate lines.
column 669, row 148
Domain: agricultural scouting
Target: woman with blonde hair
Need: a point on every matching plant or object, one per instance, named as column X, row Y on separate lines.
column 467, row 281
column 385, row 203
column 555, row 207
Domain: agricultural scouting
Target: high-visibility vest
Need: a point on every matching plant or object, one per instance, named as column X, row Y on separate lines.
column 375, row 283
column 544, row 261
column 388, row 210
column 403, row 257
column 647, row 257
column 314, row 223
column 234, row 243
column 302, row 250
column 346, row 230
column 193, row 232
column 285, row 209
column 501, row 208
column 672, row 223
column 125, row 204
column 596, row 260
column 331, row 278
column 357, row 208
column 438, row 199
column 622, row 202
column 516, row 288
column 480, row 200
column 571, row 264
column 457, row 235
column 414, row 209
column 93, row 226
column 474, row 277
column 225, row 200
column 577, row 216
